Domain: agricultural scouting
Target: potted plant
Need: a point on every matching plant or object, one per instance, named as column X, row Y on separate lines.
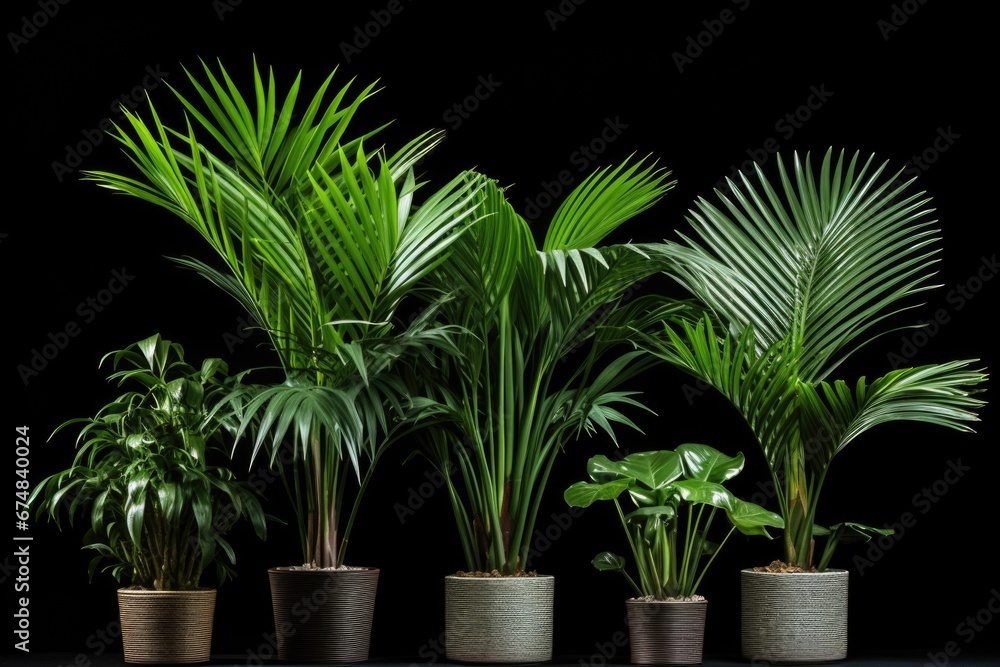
column 794, row 279
column 676, row 496
column 543, row 359
column 320, row 241
column 159, row 507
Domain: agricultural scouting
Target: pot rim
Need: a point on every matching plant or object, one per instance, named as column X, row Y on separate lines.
column 203, row 590
column 634, row 601
column 505, row 577
column 828, row 572
column 296, row 569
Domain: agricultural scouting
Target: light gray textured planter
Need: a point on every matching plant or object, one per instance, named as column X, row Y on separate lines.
column 666, row 632
column 794, row 617
column 498, row 619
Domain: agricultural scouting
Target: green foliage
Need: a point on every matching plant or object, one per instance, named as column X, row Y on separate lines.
column 158, row 507
column 320, row 240
column 676, row 495
column 544, row 356
column 793, row 280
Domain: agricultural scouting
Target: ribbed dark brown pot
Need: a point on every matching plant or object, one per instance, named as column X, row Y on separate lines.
column 666, row 632
column 166, row 627
column 498, row 619
column 323, row 615
column 794, row 618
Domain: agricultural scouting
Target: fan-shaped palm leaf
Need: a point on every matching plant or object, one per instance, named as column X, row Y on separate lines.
column 793, row 279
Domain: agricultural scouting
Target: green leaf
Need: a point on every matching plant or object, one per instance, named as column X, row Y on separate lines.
column 584, row 494
column 608, row 562
column 707, row 463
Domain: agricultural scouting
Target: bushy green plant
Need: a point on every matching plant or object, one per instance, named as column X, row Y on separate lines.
column 677, row 495
column 158, row 506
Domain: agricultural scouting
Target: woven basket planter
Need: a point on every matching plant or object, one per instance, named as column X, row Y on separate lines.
column 498, row 619
column 166, row 627
column 323, row 615
column 794, row 617
column 666, row 632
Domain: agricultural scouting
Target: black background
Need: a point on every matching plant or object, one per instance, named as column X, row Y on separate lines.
column 900, row 80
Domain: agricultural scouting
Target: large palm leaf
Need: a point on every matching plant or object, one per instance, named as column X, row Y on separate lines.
column 320, row 240
column 793, row 280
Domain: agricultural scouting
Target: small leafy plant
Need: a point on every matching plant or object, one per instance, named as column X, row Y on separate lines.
column 158, row 509
column 677, row 496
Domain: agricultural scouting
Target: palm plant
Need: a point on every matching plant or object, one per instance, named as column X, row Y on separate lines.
column 794, row 280
column 144, row 474
column 544, row 359
column 320, row 240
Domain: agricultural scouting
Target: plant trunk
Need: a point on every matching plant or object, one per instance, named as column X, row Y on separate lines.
column 798, row 526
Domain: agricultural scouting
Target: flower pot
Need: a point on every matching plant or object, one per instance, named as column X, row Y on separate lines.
column 323, row 615
column 666, row 632
column 166, row 627
column 793, row 617
column 498, row 619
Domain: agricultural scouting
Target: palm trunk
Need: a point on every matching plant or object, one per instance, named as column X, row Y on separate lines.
column 798, row 525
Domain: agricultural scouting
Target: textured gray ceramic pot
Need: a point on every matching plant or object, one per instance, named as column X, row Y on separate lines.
column 323, row 615
column 498, row 619
column 793, row 618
